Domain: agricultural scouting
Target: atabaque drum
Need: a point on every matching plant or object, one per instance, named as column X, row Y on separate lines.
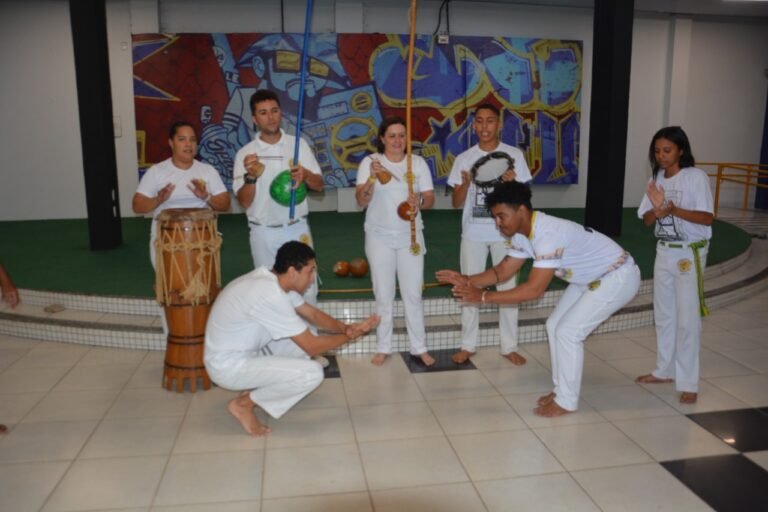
column 187, row 280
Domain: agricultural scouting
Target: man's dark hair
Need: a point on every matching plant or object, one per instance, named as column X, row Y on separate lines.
column 293, row 254
column 489, row 106
column 262, row 95
column 511, row 193
column 178, row 124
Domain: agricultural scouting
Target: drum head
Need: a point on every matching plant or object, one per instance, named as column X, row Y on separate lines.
column 487, row 171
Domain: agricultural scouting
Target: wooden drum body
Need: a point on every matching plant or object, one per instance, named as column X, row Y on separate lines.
column 188, row 278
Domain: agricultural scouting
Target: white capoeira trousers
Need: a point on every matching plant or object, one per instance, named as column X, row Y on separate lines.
column 677, row 315
column 579, row 311
column 265, row 241
column 386, row 263
column 279, row 375
column 473, row 259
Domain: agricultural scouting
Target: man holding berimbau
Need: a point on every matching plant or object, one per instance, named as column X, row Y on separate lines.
column 256, row 167
column 602, row 278
column 479, row 235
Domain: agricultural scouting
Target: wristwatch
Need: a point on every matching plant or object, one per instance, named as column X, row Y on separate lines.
column 250, row 180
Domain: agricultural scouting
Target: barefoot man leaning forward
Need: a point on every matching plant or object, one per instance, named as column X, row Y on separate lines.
column 257, row 338
column 601, row 276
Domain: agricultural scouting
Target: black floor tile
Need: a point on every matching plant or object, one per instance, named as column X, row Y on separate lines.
column 443, row 362
column 725, row 482
column 332, row 371
column 744, row 429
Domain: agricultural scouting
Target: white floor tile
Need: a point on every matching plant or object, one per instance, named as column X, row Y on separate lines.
column 95, row 377
column 759, row 458
column 25, row 487
column 531, row 378
column 241, row 506
column 353, row 502
column 311, row 427
column 138, row 403
column 638, row 488
column 713, row 364
column 551, row 493
column 216, row 433
column 329, row 394
column 711, row 398
column 751, row 389
column 52, row 354
column 438, row 498
column 475, row 415
column 107, row 483
column 394, row 421
column 757, row 360
column 129, row 437
column 38, row 442
column 73, row 405
column 609, row 349
column 587, row 446
column 672, row 438
column 99, row 356
column 312, row 470
column 504, row 455
column 410, row 463
column 14, row 406
column 458, row 384
column 212, row 477
column 26, row 379
column 627, row 402
column 525, row 404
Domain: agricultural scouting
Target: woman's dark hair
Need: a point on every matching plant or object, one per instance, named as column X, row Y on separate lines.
column 512, row 193
column 293, row 254
column 677, row 136
column 385, row 124
column 178, row 124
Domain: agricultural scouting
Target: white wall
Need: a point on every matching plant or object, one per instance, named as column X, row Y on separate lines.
column 724, row 89
column 41, row 169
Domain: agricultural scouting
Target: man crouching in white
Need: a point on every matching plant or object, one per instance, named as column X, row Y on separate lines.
column 257, row 338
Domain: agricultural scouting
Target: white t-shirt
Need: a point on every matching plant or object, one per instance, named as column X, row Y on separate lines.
column 580, row 255
column 250, row 312
column 689, row 189
column 381, row 215
column 476, row 222
column 264, row 209
column 159, row 175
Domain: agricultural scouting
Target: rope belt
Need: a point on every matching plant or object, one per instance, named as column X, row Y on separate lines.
column 694, row 246
column 620, row 262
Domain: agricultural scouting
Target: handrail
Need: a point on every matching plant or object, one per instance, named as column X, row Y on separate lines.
column 745, row 174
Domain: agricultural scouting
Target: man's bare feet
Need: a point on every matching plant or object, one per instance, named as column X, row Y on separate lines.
column 427, row 359
column 550, row 410
column 379, row 358
column 544, row 400
column 686, row 397
column 462, row 356
column 515, row 358
column 242, row 409
column 652, row 379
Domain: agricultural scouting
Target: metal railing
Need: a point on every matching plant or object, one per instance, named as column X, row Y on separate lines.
column 746, row 174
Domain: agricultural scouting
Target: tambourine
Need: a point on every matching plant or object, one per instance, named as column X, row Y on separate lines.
column 488, row 170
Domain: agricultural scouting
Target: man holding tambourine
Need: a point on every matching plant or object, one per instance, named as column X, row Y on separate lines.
column 473, row 175
column 262, row 175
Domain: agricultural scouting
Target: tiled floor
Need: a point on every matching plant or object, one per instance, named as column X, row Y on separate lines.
column 91, row 429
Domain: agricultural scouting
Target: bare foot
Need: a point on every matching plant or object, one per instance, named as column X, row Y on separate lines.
column 652, row 379
column 686, row 397
column 379, row 358
column 550, row 410
column 427, row 359
column 242, row 409
column 515, row 358
column 462, row 356
column 3, row 429
column 544, row 400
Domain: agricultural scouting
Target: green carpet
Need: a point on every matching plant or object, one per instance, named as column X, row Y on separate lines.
column 54, row 254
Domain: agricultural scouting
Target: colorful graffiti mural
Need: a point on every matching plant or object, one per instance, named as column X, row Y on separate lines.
column 353, row 82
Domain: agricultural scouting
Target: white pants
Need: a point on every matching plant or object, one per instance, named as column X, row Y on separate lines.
column 579, row 311
column 678, row 320
column 266, row 241
column 279, row 375
column 386, row 263
column 473, row 258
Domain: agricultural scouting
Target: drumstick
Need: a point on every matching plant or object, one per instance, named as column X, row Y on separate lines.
column 303, row 75
column 415, row 248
